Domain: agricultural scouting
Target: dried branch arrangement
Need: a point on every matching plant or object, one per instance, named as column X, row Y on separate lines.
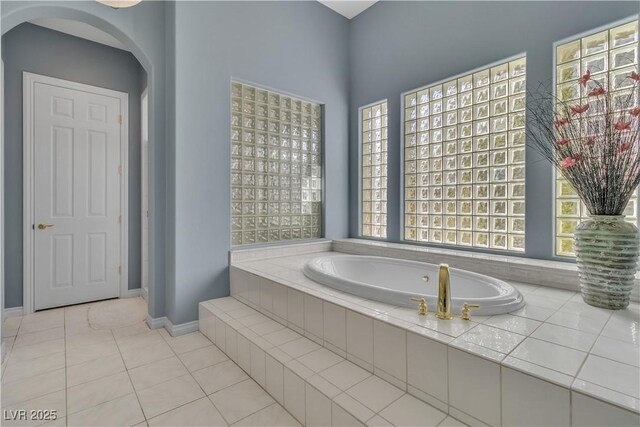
column 595, row 146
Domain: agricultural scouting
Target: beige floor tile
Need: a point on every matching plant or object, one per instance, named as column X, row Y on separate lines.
column 19, row 369
column 139, row 341
column 144, row 356
column 202, row 357
column 52, row 316
column 273, row 415
column 38, row 337
column 88, row 338
column 55, row 402
column 10, row 326
column 94, row 369
column 241, row 400
column 451, row 422
column 41, row 324
column 77, row 328
column 409, row 411
column 8, row 345
column 112, row 314
column 169, row 395
column 123, row 411
column 128, row 331
column 185, row 343
column 157, row 372
column 58, row 422
column 91, row 352
column 92, row 393
column 100, row 392
column 219, row 376
column 30, row 388
column 76, row 310
column 378, row 421
column 198, row 413
column 76, row 314
column 37, row 350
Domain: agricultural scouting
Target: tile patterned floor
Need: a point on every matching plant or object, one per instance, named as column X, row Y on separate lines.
column 124, row 376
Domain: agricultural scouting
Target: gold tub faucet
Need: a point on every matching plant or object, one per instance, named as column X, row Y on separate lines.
column 444, row 294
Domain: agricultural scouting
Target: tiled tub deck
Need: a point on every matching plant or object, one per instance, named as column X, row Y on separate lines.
column 557, row 361
column 317, row 386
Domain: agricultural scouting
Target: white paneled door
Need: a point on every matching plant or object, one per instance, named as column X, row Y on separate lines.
column 77, row 172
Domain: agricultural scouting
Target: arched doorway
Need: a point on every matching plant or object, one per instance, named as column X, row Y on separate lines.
column 121, row 27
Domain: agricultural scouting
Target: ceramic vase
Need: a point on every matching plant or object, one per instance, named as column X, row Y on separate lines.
column 607, row 249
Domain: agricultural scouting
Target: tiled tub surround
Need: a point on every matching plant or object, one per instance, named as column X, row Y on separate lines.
column 317, row 386
column 557, row 361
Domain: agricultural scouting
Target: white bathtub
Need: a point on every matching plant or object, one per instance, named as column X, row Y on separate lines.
column 396, row 281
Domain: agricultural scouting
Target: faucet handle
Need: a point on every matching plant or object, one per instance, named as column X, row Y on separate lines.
column 465, row 310
column 423, row 309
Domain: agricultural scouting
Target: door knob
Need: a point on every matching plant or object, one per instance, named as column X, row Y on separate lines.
column 44, row 226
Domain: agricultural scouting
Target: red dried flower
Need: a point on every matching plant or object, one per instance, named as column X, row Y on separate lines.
column 561, row 122
column 567, row 162
column 635, row 76
column 622, row 125
column 586, row 78
column 579, row 109
column 597, row 91
column 562, row 142
column 624, row 147
column 635, row 111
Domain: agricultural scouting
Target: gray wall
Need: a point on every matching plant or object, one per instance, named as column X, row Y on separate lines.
column 398, row 46
column 296, row 47
column 305, row 49
column 42, row 51
column 142, row 31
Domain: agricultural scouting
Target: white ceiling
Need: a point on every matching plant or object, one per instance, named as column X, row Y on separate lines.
column 348, row 8
column 79, row 29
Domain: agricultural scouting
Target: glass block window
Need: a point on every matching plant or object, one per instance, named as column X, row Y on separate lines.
column 464, row 160
column 276, row 166
column 374, row 170
column 610, row 55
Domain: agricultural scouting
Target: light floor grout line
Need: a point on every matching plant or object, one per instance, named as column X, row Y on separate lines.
column 66, row 388
column 206, row 396
column 268, row 406
column 128, row 375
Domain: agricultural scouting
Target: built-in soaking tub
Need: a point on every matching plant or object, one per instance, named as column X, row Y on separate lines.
column 396, row 281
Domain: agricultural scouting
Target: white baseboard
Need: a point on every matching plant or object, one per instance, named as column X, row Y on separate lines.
column 183, row 328
column 12, row 312
column 133, row 293
column 174, row 330
column 156, row 323
column 145, row 294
